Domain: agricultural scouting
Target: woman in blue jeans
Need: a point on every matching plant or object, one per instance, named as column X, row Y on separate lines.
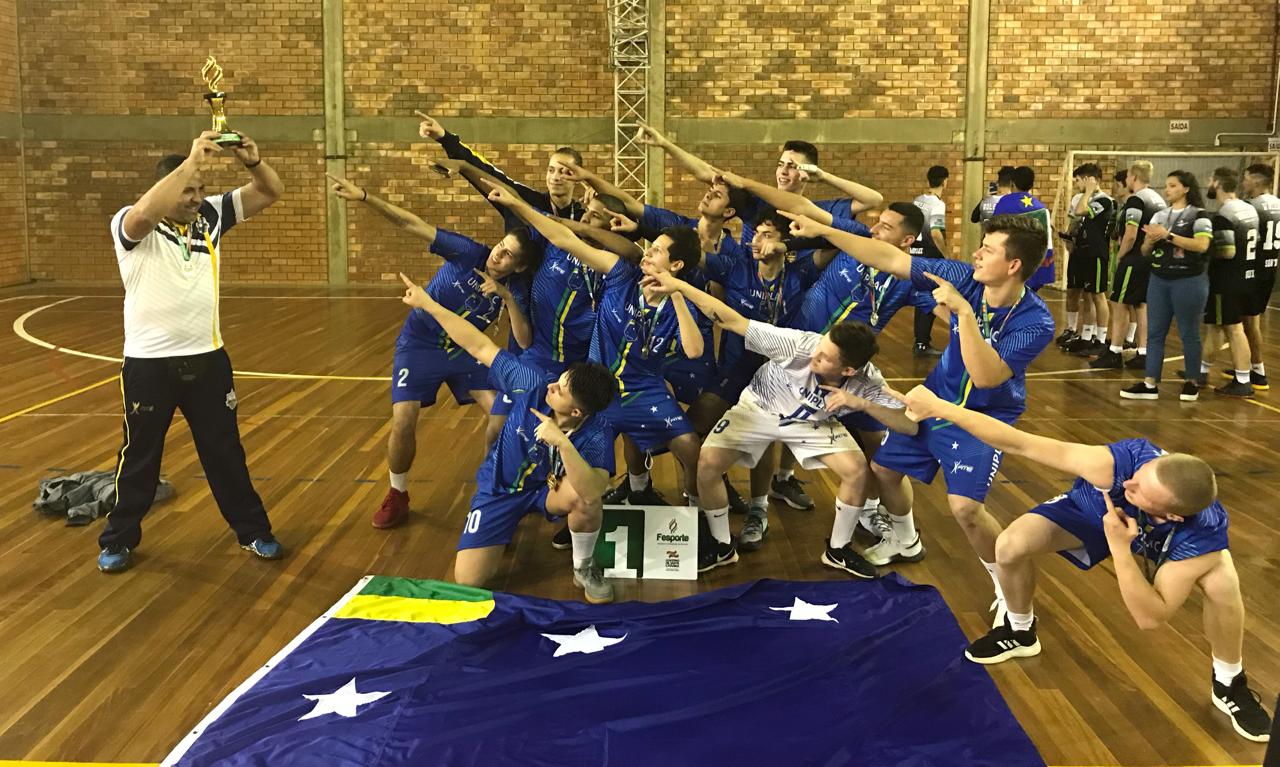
column 1177, row 245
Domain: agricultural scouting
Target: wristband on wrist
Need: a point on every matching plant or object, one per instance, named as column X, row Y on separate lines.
column 365, row 196
column 254, row 164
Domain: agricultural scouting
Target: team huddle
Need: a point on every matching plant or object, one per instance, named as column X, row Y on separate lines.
column 609, row 337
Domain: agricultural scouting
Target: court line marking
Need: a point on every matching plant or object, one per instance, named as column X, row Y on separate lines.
column 1252, row 401
column 20, row 329
column 60, row 398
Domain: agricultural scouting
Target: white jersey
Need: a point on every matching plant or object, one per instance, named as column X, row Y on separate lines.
column 171, row 281
column 788, row 388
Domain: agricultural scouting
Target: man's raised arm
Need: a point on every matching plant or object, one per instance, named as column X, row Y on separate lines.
column 463, row 333
column 556, row 233
column 402, row 218
column 159, row 200
column 867, row 250
column 715, row 309
column 863, row 197
column 700, row 168
column 575, row 173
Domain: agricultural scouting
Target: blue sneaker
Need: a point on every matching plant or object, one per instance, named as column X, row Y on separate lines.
column 113, row 559
column 266, row 547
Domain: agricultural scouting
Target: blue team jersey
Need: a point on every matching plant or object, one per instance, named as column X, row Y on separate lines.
column 777, row 301
column 1201, row 533
column 1018, row 333
column 846, row 291
column 456, row 287
column 563, row 310
column 517, row 462
column 633, row 338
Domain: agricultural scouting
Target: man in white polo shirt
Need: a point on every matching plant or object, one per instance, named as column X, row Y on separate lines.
column 167, row 245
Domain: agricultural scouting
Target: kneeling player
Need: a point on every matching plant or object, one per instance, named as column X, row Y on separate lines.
column 554, row 455
column 809, row 380
column 1129, row 498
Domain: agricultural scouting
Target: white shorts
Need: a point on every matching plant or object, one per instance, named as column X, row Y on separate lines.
column 748, row 429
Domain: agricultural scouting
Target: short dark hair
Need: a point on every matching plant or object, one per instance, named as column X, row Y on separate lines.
column 686, row 246
column 912, row 216
column 1227, row 178
column 168, row 164
column 1004, row 176
column 1088, row 170
column 937, row 174
column 1121, row 176
column 1023, row 178
column 856, row 341
column 1266, row 172
column 771, row 216
column 531, row 248
column 592, row 386
column 613, row 204
column 739, row 199
column 809, row 151
column 574, row 153
column 1025, row 240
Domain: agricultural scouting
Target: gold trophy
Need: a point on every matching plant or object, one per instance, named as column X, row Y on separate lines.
column 212, row 74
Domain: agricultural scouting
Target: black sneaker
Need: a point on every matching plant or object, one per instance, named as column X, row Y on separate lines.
column 845, row 558
column 1201, row 380
column 790, row 492
column 1258, row 381
column 1136, row 362
column 737, row 504
column 925, row 350
column 617, row 495
column 1091, row 348
column 646, row 497
column 1190, row 392
column 1235, row 389
column 1067, row 337
column 716, row 554
column 1241, row 704
column 1108, row 360
column 1003, row 643
column 1140, row 390
column 562, row 541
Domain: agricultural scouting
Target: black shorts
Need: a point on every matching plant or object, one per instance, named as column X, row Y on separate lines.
column 1087, row 272
column 1224, row 308
column 1255, row 301
column 1129, row 286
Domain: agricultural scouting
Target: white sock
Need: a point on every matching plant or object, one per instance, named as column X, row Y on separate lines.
column 871, row 504
column 1101, row 334
column 1205, row 367
column 783, row 474
column 1142, row 351
column 718, row 521
column 1086, row 332
column 1071, row 320
column 842, row 528
column 692, row 501
column 400, row 481
column 1224, row 672
column 991, row 570
column 638, row 481
column 1021, row 621
column 904, row 527
column 1242, row 376
column 583, row 546
column 1259, row 368
column 1116, row 348
column 1131, row 332
column 760, row 502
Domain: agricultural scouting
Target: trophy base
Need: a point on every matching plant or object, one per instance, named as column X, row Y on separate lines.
column 229, row 138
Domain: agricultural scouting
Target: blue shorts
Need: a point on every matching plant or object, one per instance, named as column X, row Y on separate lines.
column 1083, row 524
column 690, row 378
column 493, row 517
column 855, row 422
column 733, row 379
column 553, row 370
column 970, row 464
column 650, row 417
column 416, row 375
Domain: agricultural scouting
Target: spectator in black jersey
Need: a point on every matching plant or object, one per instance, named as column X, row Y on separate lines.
column 1232, row 269
column 1177, row 249
column 1087, row 247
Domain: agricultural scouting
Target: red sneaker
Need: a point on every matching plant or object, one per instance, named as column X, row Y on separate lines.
column 394, row 508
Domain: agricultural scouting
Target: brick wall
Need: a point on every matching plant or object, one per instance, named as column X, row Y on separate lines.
column 896, row 170
column 74, row 188
column 762, row 58
column 144, row 58
column 398, row 173
column 1130, row 58
column 13, row 256
column 458, row 59
column 9, row 96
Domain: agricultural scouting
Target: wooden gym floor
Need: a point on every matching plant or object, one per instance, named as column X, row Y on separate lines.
column 117, row 668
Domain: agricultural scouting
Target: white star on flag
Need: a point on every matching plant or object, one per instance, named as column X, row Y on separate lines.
column 955, row 445
column 803, row 611
column 342, row 701
column 653, row 408
column 587, row 640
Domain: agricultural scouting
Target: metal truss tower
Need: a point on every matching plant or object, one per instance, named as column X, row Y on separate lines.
column 629, row 59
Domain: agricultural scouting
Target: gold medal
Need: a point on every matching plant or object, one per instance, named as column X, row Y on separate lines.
column 553, row 482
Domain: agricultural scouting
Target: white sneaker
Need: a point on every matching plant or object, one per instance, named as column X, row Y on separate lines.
column 1000, row 610
column 890, row 550
column 867, row 520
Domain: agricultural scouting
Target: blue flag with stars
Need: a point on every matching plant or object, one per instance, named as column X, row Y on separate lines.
column 407, row 672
